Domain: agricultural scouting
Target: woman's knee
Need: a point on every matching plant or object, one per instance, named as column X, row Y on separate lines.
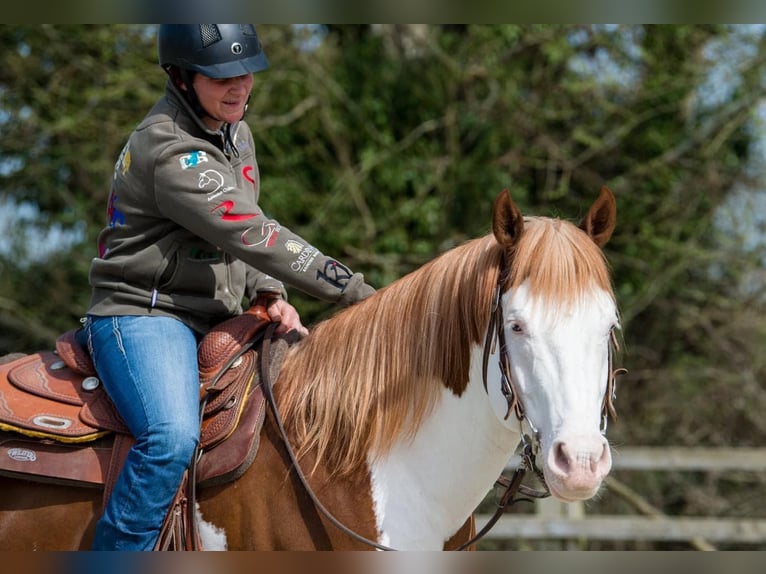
column 172, row 441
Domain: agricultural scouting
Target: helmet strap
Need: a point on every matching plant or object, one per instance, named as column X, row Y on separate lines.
column 187, row 78
column 183, row 80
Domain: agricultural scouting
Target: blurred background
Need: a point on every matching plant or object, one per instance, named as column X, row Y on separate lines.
column 386, row 145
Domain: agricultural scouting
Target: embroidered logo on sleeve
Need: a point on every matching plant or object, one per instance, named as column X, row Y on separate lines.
column 227, row 214
column 123, row 162
column 213, row 183
column 336, row 274
column 293, row 246
column 247, row 173
column 306, row 255
column 266, row 236
column 114, row 217
column 194, row 159
column 113, row 214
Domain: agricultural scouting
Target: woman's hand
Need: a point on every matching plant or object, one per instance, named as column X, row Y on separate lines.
column 280, row 310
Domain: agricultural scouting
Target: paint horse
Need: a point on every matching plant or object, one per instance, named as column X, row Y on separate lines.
column 402, row 410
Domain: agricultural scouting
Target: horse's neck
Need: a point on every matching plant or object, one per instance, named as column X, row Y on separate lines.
column 425, row 488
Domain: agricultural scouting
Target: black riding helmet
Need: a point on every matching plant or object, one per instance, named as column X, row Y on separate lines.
column 215, row 50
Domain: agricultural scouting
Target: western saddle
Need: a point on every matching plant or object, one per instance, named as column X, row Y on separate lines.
column 58, row 425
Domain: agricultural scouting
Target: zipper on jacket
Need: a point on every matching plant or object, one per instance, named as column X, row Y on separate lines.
column 229, row 145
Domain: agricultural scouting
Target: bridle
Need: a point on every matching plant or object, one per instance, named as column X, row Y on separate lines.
column 496, row 330
column 528, row 447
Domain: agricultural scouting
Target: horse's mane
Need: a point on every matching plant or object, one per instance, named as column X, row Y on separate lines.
column 559, row 262
column 370, row 374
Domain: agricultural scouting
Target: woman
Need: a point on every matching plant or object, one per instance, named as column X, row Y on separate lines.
column 186, row 242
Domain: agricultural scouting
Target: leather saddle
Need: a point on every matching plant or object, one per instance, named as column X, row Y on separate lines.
column 57, row 424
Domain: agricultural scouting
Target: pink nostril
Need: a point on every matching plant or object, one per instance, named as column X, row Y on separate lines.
column 562, row 459
column 603, row 463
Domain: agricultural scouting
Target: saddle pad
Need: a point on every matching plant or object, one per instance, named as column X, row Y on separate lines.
column 40, row 399
column 229, row 438
column 47, row 461
column 88, row 464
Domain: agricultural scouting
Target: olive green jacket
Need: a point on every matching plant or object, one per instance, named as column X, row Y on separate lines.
column 185, row 234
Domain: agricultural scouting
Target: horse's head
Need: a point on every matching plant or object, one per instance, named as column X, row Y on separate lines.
column 552, row 333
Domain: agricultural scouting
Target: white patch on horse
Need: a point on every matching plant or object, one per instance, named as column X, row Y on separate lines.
column 213, row 538
column 423, row 492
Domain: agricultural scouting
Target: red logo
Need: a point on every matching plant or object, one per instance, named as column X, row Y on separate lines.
column 247, row 171
column 227, row 215
column 269, row 234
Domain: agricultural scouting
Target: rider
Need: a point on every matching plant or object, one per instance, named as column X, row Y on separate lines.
column 186, row 241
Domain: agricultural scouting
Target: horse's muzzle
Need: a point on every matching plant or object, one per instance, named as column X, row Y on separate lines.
column 576, row 465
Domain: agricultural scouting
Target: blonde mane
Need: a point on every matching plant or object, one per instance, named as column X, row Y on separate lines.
column 370, row 374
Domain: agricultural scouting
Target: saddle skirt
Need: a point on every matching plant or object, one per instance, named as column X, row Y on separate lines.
column 57, row 423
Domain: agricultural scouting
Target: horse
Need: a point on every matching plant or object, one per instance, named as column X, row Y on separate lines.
column 402, row 410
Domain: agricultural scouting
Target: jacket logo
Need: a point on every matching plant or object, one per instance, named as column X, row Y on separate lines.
column 114, row 217
column 247, row 173
column 212, row 181
column 123, row 162
column 293, row 246
column 210, row 178
column 227, row 215
column 269, row 234
column 305, row 258
column 193, row 159
column 336, row 274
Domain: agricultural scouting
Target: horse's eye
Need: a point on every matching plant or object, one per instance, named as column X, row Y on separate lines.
column 517, row 328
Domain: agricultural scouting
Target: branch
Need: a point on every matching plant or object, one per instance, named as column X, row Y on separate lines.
column 644, row 507
column 293, row 115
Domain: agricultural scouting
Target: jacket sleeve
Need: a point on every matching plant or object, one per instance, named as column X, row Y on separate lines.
column 258, row 282
column 213, row 201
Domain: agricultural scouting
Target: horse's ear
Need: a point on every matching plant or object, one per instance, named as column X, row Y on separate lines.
column 507, row 221
column 601, row 219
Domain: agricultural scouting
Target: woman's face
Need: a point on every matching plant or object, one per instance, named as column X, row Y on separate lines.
column 223, row 99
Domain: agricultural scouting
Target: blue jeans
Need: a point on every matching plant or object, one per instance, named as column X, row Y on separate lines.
column 148, row 366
